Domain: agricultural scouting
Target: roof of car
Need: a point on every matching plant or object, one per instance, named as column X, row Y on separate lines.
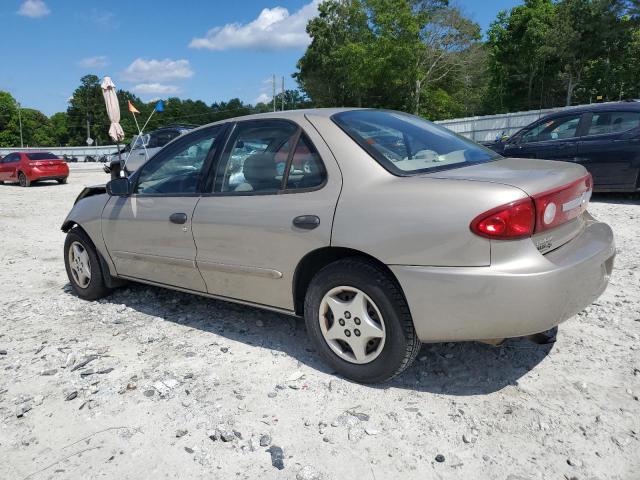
column 598, row 107
column 287, row 115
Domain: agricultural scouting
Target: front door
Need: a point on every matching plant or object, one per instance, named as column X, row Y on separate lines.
column 272, row 201
column 554, row 139
column 149, row 233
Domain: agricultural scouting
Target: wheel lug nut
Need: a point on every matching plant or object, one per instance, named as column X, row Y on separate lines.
column 347, row 333
column 347, row 315
column 341, row 322
column 356, row 332
column 357, row 321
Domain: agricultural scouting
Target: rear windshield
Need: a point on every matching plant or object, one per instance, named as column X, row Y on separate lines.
column 407, row 145
column 42, row 156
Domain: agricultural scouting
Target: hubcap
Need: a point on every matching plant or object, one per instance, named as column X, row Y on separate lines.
column 352, row 325
column 80, row 265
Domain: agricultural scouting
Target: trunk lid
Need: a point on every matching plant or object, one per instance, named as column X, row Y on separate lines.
column 531, row 176
column 546, row 181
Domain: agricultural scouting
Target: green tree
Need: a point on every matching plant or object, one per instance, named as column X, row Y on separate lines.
column 59, row 131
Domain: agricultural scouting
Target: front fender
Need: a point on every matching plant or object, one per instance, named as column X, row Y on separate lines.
column 87, row 214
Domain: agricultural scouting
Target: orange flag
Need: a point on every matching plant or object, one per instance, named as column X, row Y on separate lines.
column 132, row 109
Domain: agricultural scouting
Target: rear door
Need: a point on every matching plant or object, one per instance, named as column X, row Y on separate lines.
column 8, row 165
column 551, row 139
column 272, row 201
column 149, row 233
column 610, row 149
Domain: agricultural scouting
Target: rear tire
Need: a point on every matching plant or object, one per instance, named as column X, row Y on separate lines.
column 62, row 181
column 84, row 272
column 386, row 311
column 23, row 180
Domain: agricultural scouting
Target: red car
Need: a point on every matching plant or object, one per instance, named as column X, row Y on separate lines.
column 28, row 167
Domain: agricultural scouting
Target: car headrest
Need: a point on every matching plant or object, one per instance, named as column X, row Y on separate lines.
column 260, row 172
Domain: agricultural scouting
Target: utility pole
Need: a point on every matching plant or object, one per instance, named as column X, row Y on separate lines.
column 283, row 93
column 273, row 84
column 20, row 122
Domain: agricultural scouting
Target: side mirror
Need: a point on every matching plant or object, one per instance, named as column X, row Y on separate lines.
column 119, row 187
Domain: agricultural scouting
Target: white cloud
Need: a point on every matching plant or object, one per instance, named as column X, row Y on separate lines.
column 156, row 89
column 98, row 61
column 262, row 98
column 166, row 70
column 275, row 28
column 33, row 9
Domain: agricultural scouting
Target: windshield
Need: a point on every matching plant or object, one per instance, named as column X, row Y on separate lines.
column 407, row 145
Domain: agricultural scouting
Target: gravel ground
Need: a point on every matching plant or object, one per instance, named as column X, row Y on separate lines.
column 149, row 383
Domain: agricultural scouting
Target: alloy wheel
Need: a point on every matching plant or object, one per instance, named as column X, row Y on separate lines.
column 80, row 264
column 352, row 325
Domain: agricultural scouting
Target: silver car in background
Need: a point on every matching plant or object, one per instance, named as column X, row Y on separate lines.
column 382, row 229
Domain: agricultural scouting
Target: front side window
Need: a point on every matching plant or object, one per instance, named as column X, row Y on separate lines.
column 613, row 122
column 554, row 129
column 179, row 169
column 256, row 157
column 405, row 144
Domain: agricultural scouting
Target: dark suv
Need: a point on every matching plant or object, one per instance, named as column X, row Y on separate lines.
column 144, row 147
column 604, row 138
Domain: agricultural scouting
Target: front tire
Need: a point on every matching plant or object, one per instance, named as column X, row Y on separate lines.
column 23, row 180
column 359, row 321
column 83, row 267
column 62, row 181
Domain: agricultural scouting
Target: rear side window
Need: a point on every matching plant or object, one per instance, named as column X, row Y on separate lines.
column 613, row 122
column 406, row 145
column 42, row 156
column 555, row 129
column 306, row 169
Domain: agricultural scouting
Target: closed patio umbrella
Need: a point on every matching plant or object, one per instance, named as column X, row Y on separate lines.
column 113, row 111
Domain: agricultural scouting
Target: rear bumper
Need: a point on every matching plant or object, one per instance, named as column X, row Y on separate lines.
column 509, row 298
column 36, row 173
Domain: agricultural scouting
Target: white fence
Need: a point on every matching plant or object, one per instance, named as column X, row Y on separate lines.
column 79, row 152
column 490, row 126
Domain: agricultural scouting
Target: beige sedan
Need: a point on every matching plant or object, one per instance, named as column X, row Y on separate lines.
column 380, row 228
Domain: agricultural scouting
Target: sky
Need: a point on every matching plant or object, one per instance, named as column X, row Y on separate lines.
column 210, row 50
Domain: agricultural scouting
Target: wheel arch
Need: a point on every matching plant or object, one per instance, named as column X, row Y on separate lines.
column 109, row 280
column 316, row 260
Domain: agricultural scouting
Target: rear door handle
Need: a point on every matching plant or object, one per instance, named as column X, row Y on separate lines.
column 178, row 218
column 306, row 222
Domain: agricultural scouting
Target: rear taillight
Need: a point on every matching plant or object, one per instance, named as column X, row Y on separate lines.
column 511, row 221
column 535, row 214
column 562, row 204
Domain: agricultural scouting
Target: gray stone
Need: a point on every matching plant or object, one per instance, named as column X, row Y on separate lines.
column 265, row 440
column 277, row 457
column 22, row 409
column 181, row 432
column 49, row 372
column 70, row 394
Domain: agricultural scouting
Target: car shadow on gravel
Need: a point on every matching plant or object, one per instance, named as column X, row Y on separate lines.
column 616, row 198
column 463, row 368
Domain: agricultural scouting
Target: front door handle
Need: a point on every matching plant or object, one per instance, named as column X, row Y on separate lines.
column 178, row 218
column 306, row 222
